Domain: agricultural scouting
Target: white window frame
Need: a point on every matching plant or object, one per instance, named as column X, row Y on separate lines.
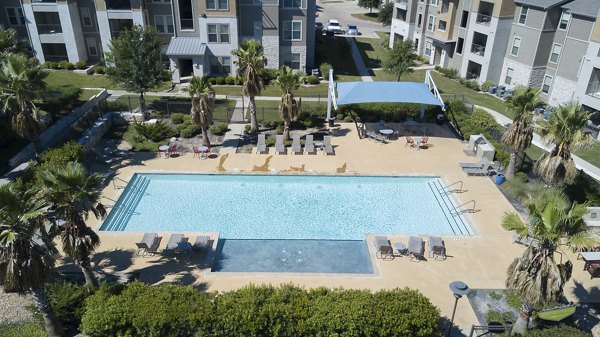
column 289, row 59
column 434, row 2
column 218, row 32
column 86, row 13
column 439, row 25
column 431, row 23
column 564, row 13
column 291, row 26
column 549, row 85
column 258, row 29
column 217, row 6
column 557, row 54
column 525, row 12
column 221, row 64
column 428, row 46
column 290, row 4
column 514, row 45
column 18, row 15
column 90, row 41
column 164, row 24
column 509, row 76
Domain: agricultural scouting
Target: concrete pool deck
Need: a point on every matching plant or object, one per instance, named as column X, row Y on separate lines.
column 480, row 261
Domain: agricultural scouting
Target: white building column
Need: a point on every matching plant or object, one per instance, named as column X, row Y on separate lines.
column 104, row 28
column 72, row 33
column 36, row 44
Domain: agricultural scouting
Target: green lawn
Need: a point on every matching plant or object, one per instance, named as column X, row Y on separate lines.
column 366, row 16
column 65, row 78
column 592, row 155
column 268, row 110
column 372, row 50
column 328, row 51
column 273, row 90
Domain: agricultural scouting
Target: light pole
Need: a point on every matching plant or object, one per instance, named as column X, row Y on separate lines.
column 459, row 289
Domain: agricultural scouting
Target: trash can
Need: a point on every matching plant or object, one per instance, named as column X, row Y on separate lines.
column 492, row 89
column 500, row 179
column 331, row 122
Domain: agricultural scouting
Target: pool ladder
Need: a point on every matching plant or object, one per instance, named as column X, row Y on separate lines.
column 445, row 189
column 453, row 216
column 121, row 214
column 457, row 210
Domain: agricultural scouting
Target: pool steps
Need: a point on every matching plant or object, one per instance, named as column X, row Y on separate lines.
column 454, row 217
column 124, row 209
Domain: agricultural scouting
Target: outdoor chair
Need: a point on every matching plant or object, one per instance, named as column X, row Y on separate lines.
column 480, row 164
column 197, row 152
column 201, row 243
column 177, row 242
column 172, row 149
column 437, row 248
column 296, row 147
column 204, row 154
column 145, row 243
column 309, row 145
column 327, row 147
column 416, row 248
column 261, row 145
column 153, row 249
column 476, row 171
column 279, row 146
column 423, row 142
column 409, row 142
column 375, row 135
column 592, row 263
column 383, row 248
column 523, row 240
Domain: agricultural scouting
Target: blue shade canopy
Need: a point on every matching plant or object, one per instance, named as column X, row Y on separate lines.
column 385, row 92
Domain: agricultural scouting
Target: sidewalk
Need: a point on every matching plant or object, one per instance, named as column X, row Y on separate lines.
column 364, row 73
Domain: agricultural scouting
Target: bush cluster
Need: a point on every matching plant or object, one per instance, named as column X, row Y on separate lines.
column 389, row 112
column 310, row 119
column 451, row 73
column 221, row 80
column 67, row 300
column 184, row 126
column 471, row 84
column 219, row 129
column 268, row 75
column 485, row 86
column 147, row 137
column 59, row 65
column 324, row 68
column 80, row 65
column 99, row 70
column 557, row 331
column 311, row 79
column 65, row 101
column 167, row 310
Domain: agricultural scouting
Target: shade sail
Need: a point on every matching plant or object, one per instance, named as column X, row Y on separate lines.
column 385, row 92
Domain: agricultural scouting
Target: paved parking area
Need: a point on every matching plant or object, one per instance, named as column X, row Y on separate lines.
column 342, row 10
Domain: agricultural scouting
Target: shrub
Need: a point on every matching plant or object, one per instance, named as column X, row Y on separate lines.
column 557, row 331
column 60, row 156
column 66, row 65
column 220, row 80
column 437, row 67
column 247, row 129
column 178, row 118
column 268, row 75
column 311, row 79
column 310, row 120
column 450, row 72
column 99, row 70
column 219, row 129
column 66, row 100
column 190, row 130
column 27, row 329
column 279, row 129
column 485, row 86
column 154, row 132
column 324, row 68
column 522, row 177
column 166, row 75
column 80, row 65
column 50, row 65
column 270, row 141
column 67, row 300
column 471, row 84
column 212, row 80
column 230, row 80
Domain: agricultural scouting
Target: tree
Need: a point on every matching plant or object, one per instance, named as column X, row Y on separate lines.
column 26, row 262
column 553, row 222
column 74, row 194
column 21, row 83
column 370, row 4
column 10, row 43
column 564, row 131
column 203, row 101
column 250, row 62
column 288, row 107
column 386, row 12
column 400, row 60
column 134, row 61
column 519, row 134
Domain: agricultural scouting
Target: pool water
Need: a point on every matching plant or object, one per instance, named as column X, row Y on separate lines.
column 286, row 207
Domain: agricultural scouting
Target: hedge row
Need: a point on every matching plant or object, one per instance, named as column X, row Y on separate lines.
column 168, row 310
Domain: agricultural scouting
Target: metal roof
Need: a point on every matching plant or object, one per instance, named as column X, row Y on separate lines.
column 186, row 46
column 545, row 4
column 385, row 92
column 587, row 8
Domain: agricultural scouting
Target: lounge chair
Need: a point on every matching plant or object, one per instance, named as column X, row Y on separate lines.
column 296, row 148
column 437, row 248
column 261, row 145
column 145, row 243
column 416, row 248
column 279, row 146
column 375, row 135
column 309, row 145
column 327, row 147
column 383, row 248
column 477, row 171
column 526, row 241
column 480, row 164
column 201, row 243
column 176, row 243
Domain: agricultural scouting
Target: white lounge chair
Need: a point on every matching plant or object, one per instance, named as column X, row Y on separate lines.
column 416, row 248
column 437, row 248
column 176, row 243
column 327, row 148
column 279, row 146
column 383, row 248
column 480, row 164
column 296, row 148
column 201, row 243
column 309, row 145
column 145, row 243
column 261, row 145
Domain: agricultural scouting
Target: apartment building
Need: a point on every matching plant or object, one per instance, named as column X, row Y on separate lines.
column 198, row 35
column 588, row 85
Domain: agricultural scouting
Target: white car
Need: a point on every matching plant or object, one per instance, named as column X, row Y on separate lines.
column 352, row 29
column 334, row 26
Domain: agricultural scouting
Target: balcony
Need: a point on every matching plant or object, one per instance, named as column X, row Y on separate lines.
column 478, row 49
column 483, row 19
column 43, row 1
column 121, row 5
column 49, row 28
column 593, row 89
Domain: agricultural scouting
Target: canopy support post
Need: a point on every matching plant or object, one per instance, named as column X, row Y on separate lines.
column 330, row 94
column 422, row 111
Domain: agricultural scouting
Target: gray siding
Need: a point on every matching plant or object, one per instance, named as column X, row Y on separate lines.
column 572, row 53
column 21, row 30
column 535, row 17
column 296, row 15
column 246, row 21
column 580, row 28
column 543, row 49
column 529, row 40
column 196, row 13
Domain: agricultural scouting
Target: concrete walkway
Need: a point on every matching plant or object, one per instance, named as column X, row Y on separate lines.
column 237, row 123
column 364, row 73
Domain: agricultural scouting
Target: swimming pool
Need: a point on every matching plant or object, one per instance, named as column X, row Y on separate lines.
column 286, row 207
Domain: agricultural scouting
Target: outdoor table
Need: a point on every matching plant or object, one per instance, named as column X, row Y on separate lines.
column 386, row 132
column 203, row 149
column 417, row 141
column 164, row 149
column 401, row 248
column 319, row 145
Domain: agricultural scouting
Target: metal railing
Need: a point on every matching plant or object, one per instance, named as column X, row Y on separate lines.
column 44, row 1
column 118, row 4
column 49, row 28
column 483, row 19
column 186, row 23
column 593, row 89
column 472, row 76
column 477, row 49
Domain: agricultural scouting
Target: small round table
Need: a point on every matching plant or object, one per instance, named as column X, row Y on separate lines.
column 386, row 132
column 401, row 248
column 164, row 149
column 203, row 150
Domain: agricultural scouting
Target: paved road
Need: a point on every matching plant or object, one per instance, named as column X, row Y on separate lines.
column 342, row 12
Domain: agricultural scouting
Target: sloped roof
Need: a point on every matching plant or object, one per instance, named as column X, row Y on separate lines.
column 545, row 4
column 385, row 92
column 186, row 46
column 587, row 8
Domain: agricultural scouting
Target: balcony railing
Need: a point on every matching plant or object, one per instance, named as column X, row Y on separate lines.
column 49, row 28
column 187, row 23
column 56, row 58
column 118, row 4
column 402, row 2
column 483, row 19
column 593, row 89
column 472, row 76
column 44, row 1
column 477, row 49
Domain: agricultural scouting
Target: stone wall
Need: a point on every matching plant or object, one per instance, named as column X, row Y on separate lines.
column 563, row 91
column 270, row 46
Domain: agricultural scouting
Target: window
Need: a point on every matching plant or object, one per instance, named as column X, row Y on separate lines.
column 86, row 16
column 220, row 64
column 91, row 46
column 523, row 16
column 465, row 19
column 217, row 4
column 292, row 3
column 459, row 45
column 434, row 2
column 546, row 84
column 420, row 20
column 431, row 23
column 186, row 15
column 564, row 20
column 161, row 1
column 417, row 44
column 15, row 16
column 258, row 26
column 445, row 6
column 292, row 30
column 428, row 47
column 442, row 25
column 556, row 49
column 515, row 47
column 292, row 60
column 218, row 33
column 163, row 23
column 509, row 76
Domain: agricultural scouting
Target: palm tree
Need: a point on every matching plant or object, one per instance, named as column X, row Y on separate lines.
column 250, row 63
column 74, row 194
column 519, row 135
column 203, row 101
column 553, row 222
column 288, row 107
column 564, row 130
column 25, row 262
column 21, row 82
